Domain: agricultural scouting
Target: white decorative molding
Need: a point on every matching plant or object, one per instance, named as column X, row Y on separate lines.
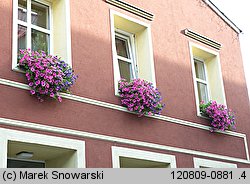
column 14, row 84
column 202, row 39
column 131, row 8
column 82, row 134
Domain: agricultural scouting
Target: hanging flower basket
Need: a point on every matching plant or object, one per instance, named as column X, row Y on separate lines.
column 47, row 75
column 141, row 97
column 221, row 118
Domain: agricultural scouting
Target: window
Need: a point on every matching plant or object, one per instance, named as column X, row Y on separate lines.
column 132, row 158
column 35, row 27
column 46, row 151
column 23, row 163
column 124, row 43
column 207, row 76
column 131, row 48
column 205, row 163
column 201, row 80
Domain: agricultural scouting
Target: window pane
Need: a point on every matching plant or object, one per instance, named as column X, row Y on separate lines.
column 202, row 91
column 199, row 69
column 40, row 41
column 126, row 162
column 21, row 37
column 125, row 70
column 122, row 47
column 40, row 15
column 11, row 163
column 22, row 10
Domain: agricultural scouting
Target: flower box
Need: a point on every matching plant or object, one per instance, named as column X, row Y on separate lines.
column 47, row 75
column 140, row 96
column 221, row 118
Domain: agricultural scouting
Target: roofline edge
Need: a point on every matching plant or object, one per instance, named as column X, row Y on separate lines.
column 223, row 16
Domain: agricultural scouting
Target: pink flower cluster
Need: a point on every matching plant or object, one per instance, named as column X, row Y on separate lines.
column 221, row 118
column 47, row 75
column 140, row 97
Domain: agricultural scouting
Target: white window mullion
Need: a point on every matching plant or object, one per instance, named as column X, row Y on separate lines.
column 47, row 31
column 207, row 83
column 201, row 81
column 29, row 24
column 133, row 56
column 22, row 23
column 124, row 59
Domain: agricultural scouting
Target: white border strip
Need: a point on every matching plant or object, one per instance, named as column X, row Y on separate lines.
column 64, row 131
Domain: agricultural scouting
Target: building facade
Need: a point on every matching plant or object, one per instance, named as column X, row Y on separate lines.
column 189, row 50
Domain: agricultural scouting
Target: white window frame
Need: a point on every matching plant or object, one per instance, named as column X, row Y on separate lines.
column 29, row 27
column 131, row 49
column 34, row 138
column 118, row 152
column 216, row 55
column 59, row 14
column 200, row 162
column 197, row 80
column 140, row 68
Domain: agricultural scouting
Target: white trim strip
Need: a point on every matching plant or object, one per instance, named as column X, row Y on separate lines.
column 4, row 151
column 64, row 131
column 131, row 8
column 14, row 84
column 246, row 148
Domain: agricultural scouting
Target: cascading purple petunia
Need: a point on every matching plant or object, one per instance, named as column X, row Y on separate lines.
column 221, row 118
column 47, row 75
column 140, row 96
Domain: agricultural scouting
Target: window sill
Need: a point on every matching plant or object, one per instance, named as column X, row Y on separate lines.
column 117, row 94
column 17, row 69
column 201, row 116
